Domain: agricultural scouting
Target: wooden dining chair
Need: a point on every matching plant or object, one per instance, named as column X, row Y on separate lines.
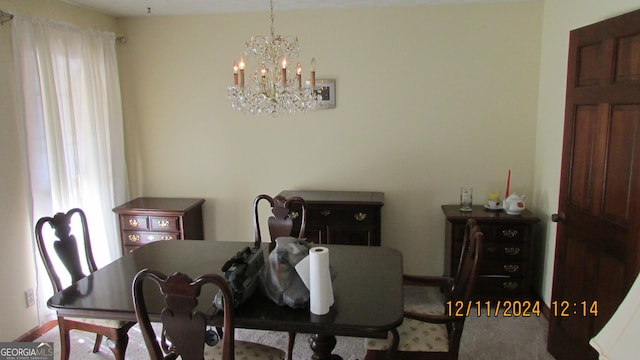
column 428, row 331
column 64, row 244
column 185, row 326
column 280, row 224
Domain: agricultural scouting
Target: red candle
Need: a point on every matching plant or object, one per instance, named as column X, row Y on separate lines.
column 506, row 195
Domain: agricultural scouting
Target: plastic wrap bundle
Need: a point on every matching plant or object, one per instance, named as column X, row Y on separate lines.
column 279, row 278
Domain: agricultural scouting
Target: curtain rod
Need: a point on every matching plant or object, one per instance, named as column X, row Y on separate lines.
column 5, row 17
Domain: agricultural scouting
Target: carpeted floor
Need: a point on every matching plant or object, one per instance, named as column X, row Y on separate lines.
column 484, row 338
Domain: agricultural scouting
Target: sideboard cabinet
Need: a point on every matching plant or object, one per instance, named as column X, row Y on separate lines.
column 506, row 263
column 340, row 217
column 147, row 219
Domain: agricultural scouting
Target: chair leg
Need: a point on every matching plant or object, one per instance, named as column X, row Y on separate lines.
column 118, row 346
column 96, row 346
column 292, row 340
column 64, row 340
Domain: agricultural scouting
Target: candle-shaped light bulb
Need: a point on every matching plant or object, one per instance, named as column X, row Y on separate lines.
column 313, row 73
column 235, row 73
column 283, row 75
column 283, row 72
column 299, row 75
column 263, row 76
column 241, row 67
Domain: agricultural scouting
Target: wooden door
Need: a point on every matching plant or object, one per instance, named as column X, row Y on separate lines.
column 599, row 224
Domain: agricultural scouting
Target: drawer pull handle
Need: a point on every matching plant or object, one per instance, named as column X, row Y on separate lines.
column 325, row 212
column 163, row 223
column 510, row 233
column 134, row 222
column 294, row 215
column 512, row 250
column 510, row 285
column 133, row 237
column 360, row 216
column 151, row 237
column 166, row 237
column 511, row 268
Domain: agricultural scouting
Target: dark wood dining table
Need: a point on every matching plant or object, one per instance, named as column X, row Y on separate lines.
column 367, row 289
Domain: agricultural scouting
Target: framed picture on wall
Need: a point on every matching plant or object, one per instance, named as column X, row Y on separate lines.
column 327, row 90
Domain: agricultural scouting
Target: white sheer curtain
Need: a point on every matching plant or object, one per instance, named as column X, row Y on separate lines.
column 70, row 105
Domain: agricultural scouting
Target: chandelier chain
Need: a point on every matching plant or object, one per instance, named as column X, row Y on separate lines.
column 273, row 27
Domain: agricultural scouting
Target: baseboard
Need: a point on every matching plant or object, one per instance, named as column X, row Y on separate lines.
column 36, row 332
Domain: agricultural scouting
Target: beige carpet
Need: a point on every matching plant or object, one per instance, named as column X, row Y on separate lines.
column 484, row 338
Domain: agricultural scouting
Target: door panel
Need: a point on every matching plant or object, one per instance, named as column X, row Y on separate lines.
column 597, row 245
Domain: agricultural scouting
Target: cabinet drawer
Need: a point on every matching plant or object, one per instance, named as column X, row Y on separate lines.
column 133, row 222
column 510, row 233
column 503, row 285
column 145, row 237
column 129, row 248
column 334, row 215
column 492, row 250
column 163, row 223
column 504, row 268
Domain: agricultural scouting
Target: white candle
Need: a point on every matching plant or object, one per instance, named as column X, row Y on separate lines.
column 283, row 75
column 235, row 73
column 241, row 67
column 313, row 73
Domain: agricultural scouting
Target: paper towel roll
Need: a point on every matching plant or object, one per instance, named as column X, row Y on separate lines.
column 314, row 271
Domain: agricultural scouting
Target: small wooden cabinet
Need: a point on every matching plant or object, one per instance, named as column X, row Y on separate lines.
column 506, row 263
column 341, row 217
column 146, row 219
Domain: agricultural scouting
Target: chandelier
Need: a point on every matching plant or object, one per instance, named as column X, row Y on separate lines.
column 269, row 89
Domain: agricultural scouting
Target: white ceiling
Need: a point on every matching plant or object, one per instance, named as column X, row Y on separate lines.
column 123, row 8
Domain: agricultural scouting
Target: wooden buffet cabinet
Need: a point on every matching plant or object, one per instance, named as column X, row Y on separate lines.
column 148, row 219
column 506, row 263
column 340, row 217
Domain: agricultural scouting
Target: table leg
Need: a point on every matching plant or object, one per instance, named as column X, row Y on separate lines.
column 322, row 346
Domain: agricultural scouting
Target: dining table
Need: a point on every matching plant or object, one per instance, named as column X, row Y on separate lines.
column 367, row 288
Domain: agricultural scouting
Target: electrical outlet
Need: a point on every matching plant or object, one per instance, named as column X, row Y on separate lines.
column 30, row 298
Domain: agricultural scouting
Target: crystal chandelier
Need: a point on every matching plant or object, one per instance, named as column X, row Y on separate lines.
column 268, row 90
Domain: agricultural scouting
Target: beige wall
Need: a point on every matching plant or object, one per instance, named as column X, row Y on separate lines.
column 560, row 17
column 428, row 99
column 17, row 267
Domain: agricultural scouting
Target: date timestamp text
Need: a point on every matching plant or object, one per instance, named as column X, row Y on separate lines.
column 505, row 308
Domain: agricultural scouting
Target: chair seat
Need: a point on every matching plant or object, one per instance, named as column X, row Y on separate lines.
column 115, row 324
column 415, row 336
column 246, row 351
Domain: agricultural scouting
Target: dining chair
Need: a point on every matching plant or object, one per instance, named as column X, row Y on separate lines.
column 280, row 224
column 64, row 243
column 185, row 325
column 430, row 330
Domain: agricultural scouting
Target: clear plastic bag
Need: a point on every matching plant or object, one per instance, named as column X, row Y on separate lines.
column 279, row 279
